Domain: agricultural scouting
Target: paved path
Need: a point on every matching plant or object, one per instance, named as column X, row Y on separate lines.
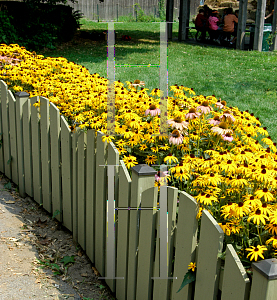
column 19, row 277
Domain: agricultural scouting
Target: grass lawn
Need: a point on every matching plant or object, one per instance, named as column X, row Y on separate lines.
column 246, row 79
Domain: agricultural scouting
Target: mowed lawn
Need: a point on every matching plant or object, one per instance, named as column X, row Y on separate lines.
column 246, row 79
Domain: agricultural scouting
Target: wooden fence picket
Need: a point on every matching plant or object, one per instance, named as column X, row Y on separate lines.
column 5, row 129
column 55, row 161
column 123, row 230
column 100, row 205
column 146, row 244
column 162, row 287
column 185, row 244
column 35, row 128
column 143, row 178
column 45, row 154
column 13, row 142
column 66, row 159
column 75, row 136
column 81, row 199
column 2, row 168
column 234, row 273
column 208, row 263
column 27, row 148
column 21, row 98
column 113, row 164
column 90, row 194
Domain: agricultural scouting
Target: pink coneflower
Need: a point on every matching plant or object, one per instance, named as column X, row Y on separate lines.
column 160, row 175
column 204, row 107
column 153, row 110
column 178, row 123
column 222, row 128
column 227, row 137
column 220, row 104
column 215, row 121
column 192, row 114
column 176, row 138
column 227, row 116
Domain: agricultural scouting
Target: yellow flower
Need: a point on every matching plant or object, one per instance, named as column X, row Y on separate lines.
column 107, row 138
column 257, row 217
column 130, row 161
column 170, row 158
column 256, row 252
column 151, row 159
column 192, row 266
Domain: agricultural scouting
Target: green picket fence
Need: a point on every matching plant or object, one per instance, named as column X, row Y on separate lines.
column 67, row 172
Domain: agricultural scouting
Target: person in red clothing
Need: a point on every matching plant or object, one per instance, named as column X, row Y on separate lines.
column 200, row 24
column 229, row 24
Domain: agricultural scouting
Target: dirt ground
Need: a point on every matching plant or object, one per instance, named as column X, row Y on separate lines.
column 39, row 259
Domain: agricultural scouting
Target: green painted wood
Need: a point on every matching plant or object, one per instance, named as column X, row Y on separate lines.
column 55, row 150
column 100, row 205
column 5, row 129
column 234, row 276
column 66, row 170
column 113, row 162
column 162, row 287
column 208, row 264
column 2, row 168
column 13, row 142
column 263, row 287
column 19, row 139
column 185, row 244
column 122, row 232
column 90, row 195
column 75, row 136
column 45, row 154
column 36, row 154
column 27, row 148
column 81, row 200
column 146, row 244
column 139, row 184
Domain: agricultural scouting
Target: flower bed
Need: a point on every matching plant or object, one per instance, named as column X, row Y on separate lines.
column 212, row 151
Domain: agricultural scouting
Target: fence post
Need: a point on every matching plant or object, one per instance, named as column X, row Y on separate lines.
column 143, row 177
column 21, row 98
column 264, row 283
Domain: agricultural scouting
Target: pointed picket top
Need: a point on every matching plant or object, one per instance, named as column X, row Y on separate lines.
column 144, row 169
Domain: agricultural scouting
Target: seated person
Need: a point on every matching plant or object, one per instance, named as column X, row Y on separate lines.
column 200, row 24
column 214, row 29
column 229, row 24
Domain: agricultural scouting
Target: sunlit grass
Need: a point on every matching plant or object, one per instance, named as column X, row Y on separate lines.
column 246, row 79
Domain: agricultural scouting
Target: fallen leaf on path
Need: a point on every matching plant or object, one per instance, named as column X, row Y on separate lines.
column 84, row 274
column 10, row 202
column 95, row 271
column 41, row 223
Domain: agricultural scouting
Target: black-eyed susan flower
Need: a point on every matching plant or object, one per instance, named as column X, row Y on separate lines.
column 170, row 159
column 257, row 217
column 264, row 194
column 130, row 161
column 256, row 252
column 192, row 266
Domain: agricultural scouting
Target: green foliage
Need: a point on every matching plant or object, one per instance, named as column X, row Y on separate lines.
column 8, row 186
column 162, row 11
column 38, row 24
column 8, row 33
column 142, row 17
column 188, row 278
column 57, row 212
column 68, row 259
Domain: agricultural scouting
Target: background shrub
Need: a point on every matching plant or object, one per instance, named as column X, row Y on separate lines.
column 37, row 25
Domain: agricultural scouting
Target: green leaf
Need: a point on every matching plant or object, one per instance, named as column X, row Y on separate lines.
column 57, row 212
column 9, row 161
column 8, row 186
column 68, row 259
column 188, row 278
